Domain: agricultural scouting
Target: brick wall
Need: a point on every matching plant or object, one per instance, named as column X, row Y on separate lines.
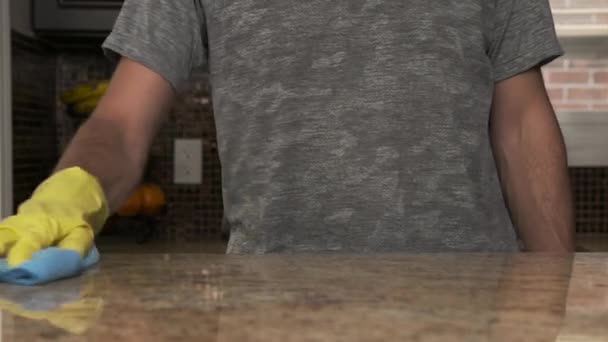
column 579, row 80
column 34, row 138
column 193, row 211
column 578, row 83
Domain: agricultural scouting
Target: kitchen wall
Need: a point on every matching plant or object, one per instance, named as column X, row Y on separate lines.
column 590, row 187
column 34, row 125
column 578, row 82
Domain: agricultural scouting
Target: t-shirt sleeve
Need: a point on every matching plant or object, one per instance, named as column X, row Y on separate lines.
column 523, row 38
column 164, row 35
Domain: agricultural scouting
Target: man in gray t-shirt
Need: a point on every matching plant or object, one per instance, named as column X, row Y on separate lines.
column 351, row 125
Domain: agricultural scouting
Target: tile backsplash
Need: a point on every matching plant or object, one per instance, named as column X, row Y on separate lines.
column 34, row 137
column 590, row 186
column 74, row 68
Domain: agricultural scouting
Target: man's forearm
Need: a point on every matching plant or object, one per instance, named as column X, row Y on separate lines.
column 101, row 148
column 113, row 143
column 533, row 169
column 531, row 159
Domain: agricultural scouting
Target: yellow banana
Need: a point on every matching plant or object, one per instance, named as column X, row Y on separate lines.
column 84, row 91
column 87, row 106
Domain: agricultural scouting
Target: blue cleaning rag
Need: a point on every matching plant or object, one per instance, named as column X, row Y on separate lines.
column 48, row 265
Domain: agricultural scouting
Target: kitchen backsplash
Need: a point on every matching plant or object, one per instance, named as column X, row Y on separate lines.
column 34, row 135
column 43, row 128
column 580, row 81
column 591, row 199
column 74, row 68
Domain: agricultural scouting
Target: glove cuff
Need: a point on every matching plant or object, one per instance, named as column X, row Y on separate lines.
column 74, row 192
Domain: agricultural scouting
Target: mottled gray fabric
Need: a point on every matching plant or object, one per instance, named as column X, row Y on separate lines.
column 350, row 125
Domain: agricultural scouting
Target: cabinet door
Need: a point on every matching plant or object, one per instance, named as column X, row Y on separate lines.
column 75, row 17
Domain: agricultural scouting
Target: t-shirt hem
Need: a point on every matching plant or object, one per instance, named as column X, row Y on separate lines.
column 525, row 62
column 113, row 49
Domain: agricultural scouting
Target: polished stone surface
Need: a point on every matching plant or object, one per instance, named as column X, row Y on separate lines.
column 211, row 297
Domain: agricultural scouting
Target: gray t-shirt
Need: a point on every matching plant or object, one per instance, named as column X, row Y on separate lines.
column 350, row 125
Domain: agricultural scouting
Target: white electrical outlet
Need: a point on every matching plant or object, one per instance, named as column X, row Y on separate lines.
column 188, row 163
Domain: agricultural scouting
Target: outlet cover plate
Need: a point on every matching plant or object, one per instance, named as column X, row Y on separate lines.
column 188, row 161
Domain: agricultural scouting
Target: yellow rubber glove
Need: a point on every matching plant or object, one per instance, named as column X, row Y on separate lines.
column 66, row 211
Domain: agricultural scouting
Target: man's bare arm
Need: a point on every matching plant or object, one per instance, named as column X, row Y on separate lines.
column 113, row 143
column 531, row 159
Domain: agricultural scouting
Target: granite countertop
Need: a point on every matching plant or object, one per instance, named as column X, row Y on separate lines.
column 207, row 297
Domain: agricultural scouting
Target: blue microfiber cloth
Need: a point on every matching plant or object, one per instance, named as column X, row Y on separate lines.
column 48, row 265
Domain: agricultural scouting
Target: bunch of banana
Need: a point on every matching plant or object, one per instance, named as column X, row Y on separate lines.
column 84, row 98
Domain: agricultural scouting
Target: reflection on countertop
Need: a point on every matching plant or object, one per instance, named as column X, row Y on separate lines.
column 214, row 297
column 113, row 244
column 590, row 242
